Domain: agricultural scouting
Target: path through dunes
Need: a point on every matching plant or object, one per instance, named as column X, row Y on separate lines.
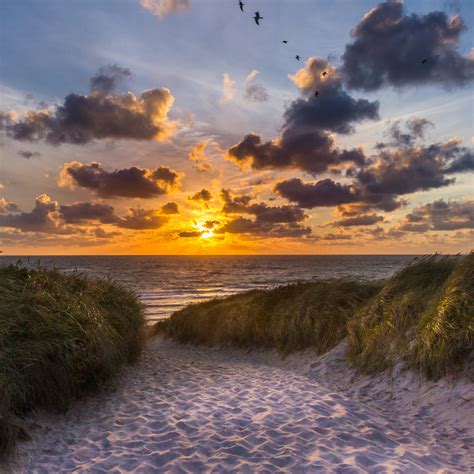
column 185, row 410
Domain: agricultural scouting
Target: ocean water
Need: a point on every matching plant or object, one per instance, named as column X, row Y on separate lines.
column 167, row 283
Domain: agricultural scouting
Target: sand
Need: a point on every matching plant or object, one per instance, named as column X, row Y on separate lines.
column 187, row 409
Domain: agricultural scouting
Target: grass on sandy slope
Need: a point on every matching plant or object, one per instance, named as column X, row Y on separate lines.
column 423, row 316
column 288, row 318
column 61, row 336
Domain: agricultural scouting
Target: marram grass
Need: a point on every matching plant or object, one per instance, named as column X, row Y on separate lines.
column 422, row 317
column 61, row 336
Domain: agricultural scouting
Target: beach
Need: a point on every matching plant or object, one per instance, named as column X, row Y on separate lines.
column 192, row 409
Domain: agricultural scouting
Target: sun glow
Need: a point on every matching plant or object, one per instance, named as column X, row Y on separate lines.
column 207, row 232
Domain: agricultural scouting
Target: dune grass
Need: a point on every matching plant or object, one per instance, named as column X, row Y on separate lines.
column 423, row 317
column 61, row 336
column 288, row 318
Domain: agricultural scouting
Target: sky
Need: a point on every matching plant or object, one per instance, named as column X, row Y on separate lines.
column 183, row 127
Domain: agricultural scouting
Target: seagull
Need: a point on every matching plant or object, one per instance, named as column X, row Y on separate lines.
column 297, row 57
column 316, row 94
column 324, row 73
column 285, row 41
column 241, row 5
column 423, row 62
column 257, row 18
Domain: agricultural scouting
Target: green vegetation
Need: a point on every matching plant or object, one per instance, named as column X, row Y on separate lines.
column 61, row 336
column 288, row 318
column 423, row 317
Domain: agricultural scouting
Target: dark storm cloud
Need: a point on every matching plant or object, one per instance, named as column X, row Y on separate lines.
column 81, row 118
column 323, row 193
column 242, row 225
column 87, row 211
column 108, row 78
column 278, row 221
column 386, row 177
column 28, row 154
column 440, row 215
column 463, row 164
column 389, row 46
column 201, row 196
column 170, row 208
column 142, row 219
column 131, row 182
column 305, row 142
column 43, row 217
column 312, row 152
column 364, row 219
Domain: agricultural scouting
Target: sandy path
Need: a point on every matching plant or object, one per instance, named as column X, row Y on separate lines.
column 185, row 410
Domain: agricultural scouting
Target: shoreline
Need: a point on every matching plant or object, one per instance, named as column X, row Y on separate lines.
column 195, row 408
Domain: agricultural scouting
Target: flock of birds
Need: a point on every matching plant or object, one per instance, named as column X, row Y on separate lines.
column 257, row 17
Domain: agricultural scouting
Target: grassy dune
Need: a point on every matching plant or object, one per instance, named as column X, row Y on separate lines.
column 423, row 317
column 61, row 336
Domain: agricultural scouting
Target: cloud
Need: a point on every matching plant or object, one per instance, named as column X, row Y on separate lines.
column 108, row 78
column 199, row 157
column 131, row 182
column 278, row 221
column 381, row 181
column 415, row 129
column 43, row 218
column 228, row 89
column 305, row 142
column 254, row 92
column 81, row 212
column 48, row 216
column 313, row 152
column 201, row 196
column 334, row 109
column 439, row 215
column 170, row 208
column 324, row 193
column 388, row 48
column 28, row 154
column 142, row 219
column 363, row 219
column 191, row 233
column 162, row 8
column 83, row 118
column 7, row 206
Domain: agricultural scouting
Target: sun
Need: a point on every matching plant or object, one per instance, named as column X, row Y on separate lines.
column 206, row 232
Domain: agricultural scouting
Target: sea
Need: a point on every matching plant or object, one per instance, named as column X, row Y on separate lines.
column 166, row 284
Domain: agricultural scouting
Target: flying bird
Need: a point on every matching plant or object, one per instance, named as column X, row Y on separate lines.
column 241, row 5
column 257, row 18
column 316, row 94
column 324, row 73
column 423, row 62
column 285, row 41
column 297, row 57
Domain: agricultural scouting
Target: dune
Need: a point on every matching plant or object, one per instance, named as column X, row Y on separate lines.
column 184, row 408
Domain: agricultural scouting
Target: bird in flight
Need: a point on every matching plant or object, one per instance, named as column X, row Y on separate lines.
column 241, row 5
column 423, row 62
column 257, row 18
column 324, row 73
column 316, row 94
column 297, row 57
column 285, row 41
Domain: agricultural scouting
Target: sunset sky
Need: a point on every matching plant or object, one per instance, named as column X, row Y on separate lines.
column 182, row 127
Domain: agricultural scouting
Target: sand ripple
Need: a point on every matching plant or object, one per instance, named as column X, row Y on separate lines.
column 184, row 410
